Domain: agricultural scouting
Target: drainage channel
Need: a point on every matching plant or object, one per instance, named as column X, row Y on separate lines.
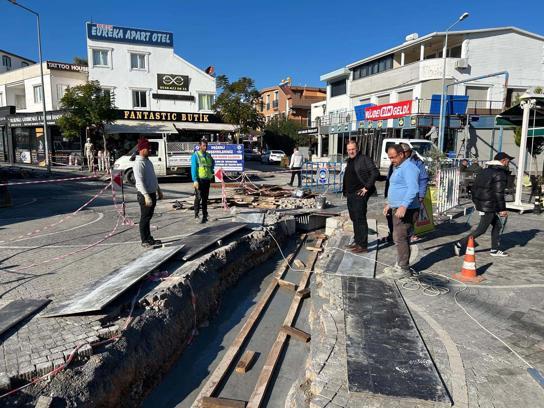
column 190, row 377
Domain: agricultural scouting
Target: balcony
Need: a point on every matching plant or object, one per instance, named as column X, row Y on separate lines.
column 412, row 73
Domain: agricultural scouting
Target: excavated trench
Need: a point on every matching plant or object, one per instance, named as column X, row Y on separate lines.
column 165, row 322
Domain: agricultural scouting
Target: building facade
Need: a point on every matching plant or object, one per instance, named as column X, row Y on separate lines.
column 288, row 101
column 413, row 71
column 10, row 61
column 21, row 111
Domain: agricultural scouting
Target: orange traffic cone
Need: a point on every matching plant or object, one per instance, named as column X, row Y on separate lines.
column 468, row 271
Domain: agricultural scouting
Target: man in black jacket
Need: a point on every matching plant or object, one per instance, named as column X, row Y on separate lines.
column 359, row 178
column 488, row 198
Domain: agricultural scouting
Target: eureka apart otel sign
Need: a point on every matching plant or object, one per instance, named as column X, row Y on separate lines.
column 154, row 116
column 110, row 33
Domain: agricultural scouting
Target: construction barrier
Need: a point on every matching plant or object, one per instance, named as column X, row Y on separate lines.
column 323, row 177
column 447, row 189
column 425, row 221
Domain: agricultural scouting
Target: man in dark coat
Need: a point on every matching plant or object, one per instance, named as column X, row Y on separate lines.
column 359, row 178
column 488, row 197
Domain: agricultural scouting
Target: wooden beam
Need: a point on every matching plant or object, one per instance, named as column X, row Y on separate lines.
column 304, row 293
column 246, row 362
column 296, row 333
column 299, row 264
column 233, row 351
column 287, row 285
column 209, row 402
column 314, row 248
column 272, row 359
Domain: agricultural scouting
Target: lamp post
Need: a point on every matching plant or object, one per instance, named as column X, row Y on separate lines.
column 45, row 133
column 442, row 119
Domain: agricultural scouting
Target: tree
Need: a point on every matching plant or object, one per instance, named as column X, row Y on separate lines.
column 236, row 104
column 85, row 107
column 282, row 134
column 80, row 61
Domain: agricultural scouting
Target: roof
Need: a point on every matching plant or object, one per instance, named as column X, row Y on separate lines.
column 18, row 56
column 439, row 34
column 287, row 89
column 513, row 116
column 342, row 72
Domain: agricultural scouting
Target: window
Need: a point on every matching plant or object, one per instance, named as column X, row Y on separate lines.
column 109, row 93
column 61, row 90
column 139, row 99
column 24, row 64
column 1, row 99
column 455, row 52
column 405, row 95
column 338, row 88
column 205, row 102
column 20, row 102
column 6, row 61
column 137, row 61
column 101, row 58
column 383, row 99
column 153, row 149
column 38, row 94
column 374, row 67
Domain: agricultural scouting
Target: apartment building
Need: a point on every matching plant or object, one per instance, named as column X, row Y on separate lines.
column 289, row 101
column 10, row 61
column 412, row 71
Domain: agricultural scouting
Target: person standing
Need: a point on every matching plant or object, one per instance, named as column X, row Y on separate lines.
column 402, row 200
column 89, row 154
column 296, row 166
column 202, row 174
column 360, row 177
column 148, row 192
column 488, row 194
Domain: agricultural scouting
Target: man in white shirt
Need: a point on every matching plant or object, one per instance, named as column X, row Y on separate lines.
column 296, row 166
column 148, row 192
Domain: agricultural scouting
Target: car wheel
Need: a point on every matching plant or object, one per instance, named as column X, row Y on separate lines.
column 129, row 177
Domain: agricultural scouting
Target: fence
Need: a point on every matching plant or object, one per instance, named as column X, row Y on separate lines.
column 448, row 189
column 323, row 177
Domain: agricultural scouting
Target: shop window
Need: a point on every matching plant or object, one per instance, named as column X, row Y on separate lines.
column 38, row 93
column 338, row 88
column 6, row 61
column 101, row 58
column 139, row 99
column 137, row 61
column 205, row 102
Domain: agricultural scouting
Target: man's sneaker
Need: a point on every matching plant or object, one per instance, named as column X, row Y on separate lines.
column 498, row 252
column 357, row 249
column 394, row 272
column 457, row 248
column 155, row 242
column 351, row 246
column 204, row 220
column 147, row 245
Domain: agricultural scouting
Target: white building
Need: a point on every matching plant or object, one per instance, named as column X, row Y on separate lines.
column 21, row 110
column 10, row 61
column 413, row 71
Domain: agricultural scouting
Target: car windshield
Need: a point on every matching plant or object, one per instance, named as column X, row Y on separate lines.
column 423, row 148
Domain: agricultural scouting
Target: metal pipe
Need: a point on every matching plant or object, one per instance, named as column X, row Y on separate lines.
column 527, row 105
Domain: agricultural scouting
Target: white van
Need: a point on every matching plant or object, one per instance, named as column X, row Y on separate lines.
column 422, row 147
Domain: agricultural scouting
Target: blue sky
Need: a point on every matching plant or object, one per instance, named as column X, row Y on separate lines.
column 266, row 40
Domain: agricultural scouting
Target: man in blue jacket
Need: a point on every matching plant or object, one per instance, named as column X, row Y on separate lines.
column 202, row 175
column 402, row 200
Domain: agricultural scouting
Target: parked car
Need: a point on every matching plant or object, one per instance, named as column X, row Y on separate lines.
column 272, row 156
column 422, row 147
column 250, row 154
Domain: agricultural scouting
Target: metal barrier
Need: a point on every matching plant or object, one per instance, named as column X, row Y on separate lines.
column 448, row 188
column 323, row 177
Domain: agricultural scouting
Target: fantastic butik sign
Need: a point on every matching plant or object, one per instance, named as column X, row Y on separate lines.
column 388, row 111
column 109, row 33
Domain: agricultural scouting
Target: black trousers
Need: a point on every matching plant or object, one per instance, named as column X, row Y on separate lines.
column 298, row 172
column 201, row 197
column 357, row 213
column 146, row 213
column 487, row 219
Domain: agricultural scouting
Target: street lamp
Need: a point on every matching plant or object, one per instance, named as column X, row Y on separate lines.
column 442, row 119
column 45, row 134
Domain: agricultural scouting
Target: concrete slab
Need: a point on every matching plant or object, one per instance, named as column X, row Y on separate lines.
column 207, row 237
column 18, row 310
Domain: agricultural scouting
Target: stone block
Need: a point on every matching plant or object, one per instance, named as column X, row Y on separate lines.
column 44, row 368
column 44, row 402
column 5, row 382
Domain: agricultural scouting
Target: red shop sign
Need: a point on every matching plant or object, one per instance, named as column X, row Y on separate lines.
column 388, row 111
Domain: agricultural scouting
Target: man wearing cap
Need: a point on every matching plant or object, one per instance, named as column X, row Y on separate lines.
column 202, row 174
column 488, row 197
column 148, row 192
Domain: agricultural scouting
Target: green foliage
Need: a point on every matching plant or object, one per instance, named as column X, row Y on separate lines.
column 236, row 103
column 85, row 106
column 80, row 61
column 437, row 157
column 282, row 134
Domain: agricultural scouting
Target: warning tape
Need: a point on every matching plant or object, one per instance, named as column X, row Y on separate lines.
column 47, row 227
column 94, row 176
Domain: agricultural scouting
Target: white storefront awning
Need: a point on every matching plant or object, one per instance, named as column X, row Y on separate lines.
column 134, row 126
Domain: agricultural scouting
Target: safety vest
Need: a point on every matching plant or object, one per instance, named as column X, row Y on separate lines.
column 205, row 163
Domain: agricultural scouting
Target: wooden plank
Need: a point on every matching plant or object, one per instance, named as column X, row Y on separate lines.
column 246, row 362
column 287, row 285
column 272, row 359
column 299, row 264
column 296, row 333
column 233, row 351
column 18, row 310
column 304, row 293
column 209, row 402
column 314, row 249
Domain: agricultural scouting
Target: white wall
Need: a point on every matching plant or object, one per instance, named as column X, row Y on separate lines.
column 160, row 60
column 16, row 62
column 63, row 78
